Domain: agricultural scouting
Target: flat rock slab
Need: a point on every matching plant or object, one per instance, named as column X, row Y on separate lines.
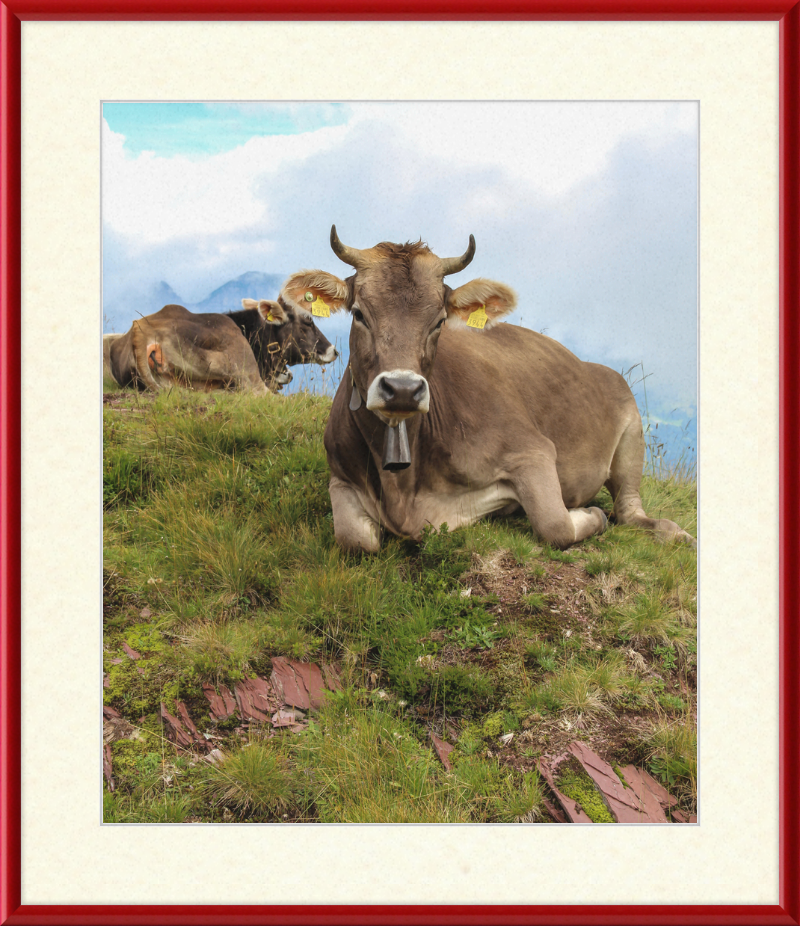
column 187, row 721
column 188, row 724
column 649, row 803
column 223, row 704
column 256, row 699
column 644, row 801
column 555, row 813
column 292, row 685
column 679, row 816
column 301, row 684
column 174, row 731
column 664, row 797
column 443, row 750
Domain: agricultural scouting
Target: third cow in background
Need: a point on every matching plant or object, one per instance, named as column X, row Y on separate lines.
column 281, row 336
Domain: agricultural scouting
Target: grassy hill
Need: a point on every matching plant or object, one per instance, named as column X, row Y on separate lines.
column 219, row 556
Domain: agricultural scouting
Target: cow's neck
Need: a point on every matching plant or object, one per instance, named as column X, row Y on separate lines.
column 272, row 357
column 373, row 431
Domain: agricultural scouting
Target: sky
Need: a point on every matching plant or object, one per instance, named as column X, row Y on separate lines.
column 588, row 210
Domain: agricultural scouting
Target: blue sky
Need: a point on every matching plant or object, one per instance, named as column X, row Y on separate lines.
column 588, row 210
column 199, row 129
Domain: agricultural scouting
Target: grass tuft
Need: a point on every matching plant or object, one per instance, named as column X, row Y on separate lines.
column 647, row 620
column 672, row 755
column 254, row 780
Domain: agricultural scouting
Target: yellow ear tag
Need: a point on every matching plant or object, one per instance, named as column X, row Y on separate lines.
column 478, row 318
column 270, row 317
column 320, row 308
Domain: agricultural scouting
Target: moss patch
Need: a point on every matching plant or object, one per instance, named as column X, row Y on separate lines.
column 573, row 781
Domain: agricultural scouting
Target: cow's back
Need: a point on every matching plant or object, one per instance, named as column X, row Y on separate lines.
column 509, row 370
column 208, row 331
column 507, row 388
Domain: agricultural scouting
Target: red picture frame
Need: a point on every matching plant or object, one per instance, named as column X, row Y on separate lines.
column 12, row 13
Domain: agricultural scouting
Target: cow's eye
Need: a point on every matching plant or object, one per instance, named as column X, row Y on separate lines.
column 358, row 315
column 440, row 323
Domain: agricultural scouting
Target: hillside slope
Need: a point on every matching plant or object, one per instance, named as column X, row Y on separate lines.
column 447, row 669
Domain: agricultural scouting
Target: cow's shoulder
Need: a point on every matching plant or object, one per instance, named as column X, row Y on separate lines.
column 509, row 359
column 348, row 453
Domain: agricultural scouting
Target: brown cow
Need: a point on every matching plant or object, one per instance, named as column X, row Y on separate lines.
column 204, row 351
column 505, row 417
column 246, row 350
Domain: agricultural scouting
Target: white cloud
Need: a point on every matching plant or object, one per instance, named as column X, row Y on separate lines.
column 150, row 199
column 549, row 146
column 588, row 210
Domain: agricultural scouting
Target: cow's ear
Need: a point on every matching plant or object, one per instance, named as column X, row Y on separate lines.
column 480, row 303
column 272, row 312
column 315, row 292
column 249, row 303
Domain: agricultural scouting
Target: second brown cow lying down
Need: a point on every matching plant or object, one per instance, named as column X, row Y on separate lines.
column 248, row 350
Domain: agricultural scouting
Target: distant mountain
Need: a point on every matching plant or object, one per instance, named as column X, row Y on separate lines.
column 163, row 294
column 251, row 285
column 120, row 312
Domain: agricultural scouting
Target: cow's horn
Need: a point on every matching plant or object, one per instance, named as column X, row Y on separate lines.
column 454, row 264
column 350, row 256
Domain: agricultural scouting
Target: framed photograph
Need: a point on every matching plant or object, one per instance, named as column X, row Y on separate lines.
column 134, row 147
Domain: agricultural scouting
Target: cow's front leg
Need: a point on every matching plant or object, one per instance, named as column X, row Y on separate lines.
column 353, row 526
column 539, row 491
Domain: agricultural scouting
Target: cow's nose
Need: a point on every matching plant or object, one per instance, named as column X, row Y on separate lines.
column 399, row 393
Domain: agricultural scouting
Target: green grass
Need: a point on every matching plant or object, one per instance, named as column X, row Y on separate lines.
column 220, row 554
column 255, row 780
column 672, row 755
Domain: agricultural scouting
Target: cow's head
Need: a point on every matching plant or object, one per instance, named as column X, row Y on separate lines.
column 399, row 302
column 290, row 333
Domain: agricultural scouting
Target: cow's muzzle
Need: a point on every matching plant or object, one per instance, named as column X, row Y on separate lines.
column 398, row 394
